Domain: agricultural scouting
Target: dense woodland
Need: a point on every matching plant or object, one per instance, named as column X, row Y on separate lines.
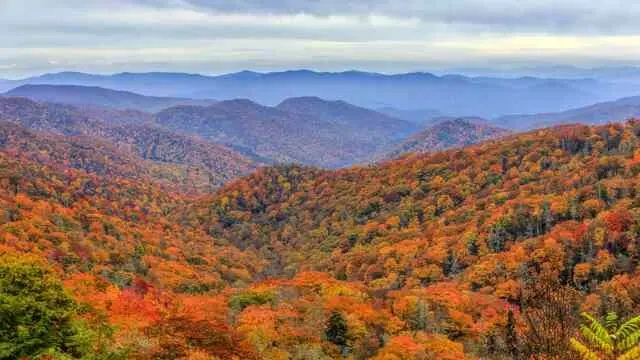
column 104, row 135
column 488, row 252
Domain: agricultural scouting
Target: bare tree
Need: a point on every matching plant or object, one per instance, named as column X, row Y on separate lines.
column 550, row 312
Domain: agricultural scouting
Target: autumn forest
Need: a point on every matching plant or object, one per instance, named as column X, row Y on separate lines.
column 123, row 235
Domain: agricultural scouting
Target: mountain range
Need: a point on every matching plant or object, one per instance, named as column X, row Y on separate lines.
column 96, row 96
column 600, row 113
column 447, row 94
column 301, row 130
column 305, row 130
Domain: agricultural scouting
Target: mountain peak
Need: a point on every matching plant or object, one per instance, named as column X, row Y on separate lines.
column 450, row 133
column 307, row 100
column 239, row 103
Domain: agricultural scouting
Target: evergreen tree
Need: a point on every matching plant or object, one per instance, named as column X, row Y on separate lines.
column 336, row 330
column 472, row 245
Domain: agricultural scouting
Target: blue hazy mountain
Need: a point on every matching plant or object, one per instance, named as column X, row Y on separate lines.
column 418, row 116
column 599, row 113
column 97, row 96
column 448, row 94
column 303, row 130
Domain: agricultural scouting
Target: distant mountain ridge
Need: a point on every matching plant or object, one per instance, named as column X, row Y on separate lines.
column 449, row 94
column 361, row 120
column 303, row 129
column 98, row 96
column 599, row 113
column 418, row 116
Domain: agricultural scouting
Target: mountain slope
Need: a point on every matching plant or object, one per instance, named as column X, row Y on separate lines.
column 449, row 133
column 211, row 162
column 97, row 96
column 111, row 243
column 308, row 131
column 442, row 255
column 76, row 152
column 600, row 113
column 459, row 214
column 368, row 122
column 219, row 163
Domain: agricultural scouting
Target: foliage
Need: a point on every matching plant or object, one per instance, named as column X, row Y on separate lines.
column 449, row 134
column 489, row 252
column 612, row 339
column 240, row 301
column 337, row 331
column 40, row 319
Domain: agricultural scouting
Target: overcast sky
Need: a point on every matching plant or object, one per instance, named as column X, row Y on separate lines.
column 215, row 36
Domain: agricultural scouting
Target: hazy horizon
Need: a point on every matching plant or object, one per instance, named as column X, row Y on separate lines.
column 542, row 71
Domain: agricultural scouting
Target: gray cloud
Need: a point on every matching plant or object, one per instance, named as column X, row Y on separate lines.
column 223, row 35
column 581, row 16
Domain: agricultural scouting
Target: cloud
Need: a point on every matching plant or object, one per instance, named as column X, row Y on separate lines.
column 572, row 16
column 217, row 35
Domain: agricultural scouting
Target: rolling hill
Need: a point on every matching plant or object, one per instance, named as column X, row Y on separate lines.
column 76, row 152
column 97, row 96
column 368, row 123
column 216, row 162
column 306, row 130
column 439, row 255
column 302, row 130
column 600, row 113
column 212, row 163
column 468, row 236
column 449, row 133
column 108, row 236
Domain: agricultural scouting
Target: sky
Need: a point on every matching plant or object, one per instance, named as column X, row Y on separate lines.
column 392, row 36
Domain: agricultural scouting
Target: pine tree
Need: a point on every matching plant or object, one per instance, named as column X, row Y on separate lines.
column 472, row 245
column 336, row 330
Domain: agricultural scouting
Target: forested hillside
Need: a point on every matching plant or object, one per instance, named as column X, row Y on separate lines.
column 486, row 252
column 309, row 131
column 449, row 133
column 175, row 158
column 304, row 130
column 112, row 242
